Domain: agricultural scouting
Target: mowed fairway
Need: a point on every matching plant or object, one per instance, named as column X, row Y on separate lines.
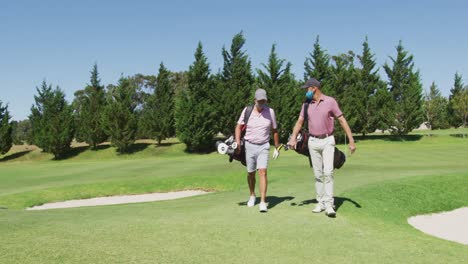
column 379, row 187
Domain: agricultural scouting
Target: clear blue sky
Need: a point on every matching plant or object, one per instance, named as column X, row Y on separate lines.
column 60, row 40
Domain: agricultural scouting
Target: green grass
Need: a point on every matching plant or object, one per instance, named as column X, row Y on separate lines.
column 379, row 187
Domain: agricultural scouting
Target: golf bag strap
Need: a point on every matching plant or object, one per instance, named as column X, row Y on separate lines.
column 248, row 112
column 306, row 122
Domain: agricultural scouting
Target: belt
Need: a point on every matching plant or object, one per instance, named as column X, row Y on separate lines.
column 321, row 136
column 257, row 143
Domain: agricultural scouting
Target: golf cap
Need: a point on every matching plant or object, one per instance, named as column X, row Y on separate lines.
column 312, row 82
column 260, row 94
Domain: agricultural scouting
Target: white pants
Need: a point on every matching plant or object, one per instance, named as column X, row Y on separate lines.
column 322, row 154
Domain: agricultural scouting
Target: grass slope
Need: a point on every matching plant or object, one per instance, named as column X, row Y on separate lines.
column 380, row 186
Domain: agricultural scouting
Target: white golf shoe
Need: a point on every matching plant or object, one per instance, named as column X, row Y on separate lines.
column 318, row 209
column 330, row 212
column 251, row 201
column 263, row 207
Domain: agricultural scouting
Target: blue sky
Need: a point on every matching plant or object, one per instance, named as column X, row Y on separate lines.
column 60, row 40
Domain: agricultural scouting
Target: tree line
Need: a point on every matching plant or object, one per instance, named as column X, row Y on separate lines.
column 197, row 104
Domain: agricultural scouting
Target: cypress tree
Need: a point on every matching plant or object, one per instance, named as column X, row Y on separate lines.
column 368, row 82
column 455, row 119
column 120, row 114
column 460, row 105
column 318, row 65
column 52, row 121
column 236, row 85
column 406, row 89
column 6, row 139
column 342, row 86
column 196, row 114
column 283, row 93
column 89, row 106
column 158, row 111
column 435, row 108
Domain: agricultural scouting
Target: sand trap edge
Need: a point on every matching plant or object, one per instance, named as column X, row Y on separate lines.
column 120, row 199
column 452, row 225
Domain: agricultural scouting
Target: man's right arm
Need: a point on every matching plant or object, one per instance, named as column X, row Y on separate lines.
column 238, row 134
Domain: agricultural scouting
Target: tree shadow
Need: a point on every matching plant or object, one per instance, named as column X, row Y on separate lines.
column 337, row 204
column 15, row 155
column 137, row 147
column 397, row 138
column 459, row 135
column 167, row 144
column 75, row 151
column 271, row 200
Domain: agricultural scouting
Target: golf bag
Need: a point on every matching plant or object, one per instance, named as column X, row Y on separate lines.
column 229, row 146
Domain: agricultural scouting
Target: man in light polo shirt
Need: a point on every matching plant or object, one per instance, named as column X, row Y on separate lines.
column 321, row 113
column 261, row 122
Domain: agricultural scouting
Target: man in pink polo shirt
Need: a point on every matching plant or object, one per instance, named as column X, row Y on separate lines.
column 261, row 122
column 321, row 114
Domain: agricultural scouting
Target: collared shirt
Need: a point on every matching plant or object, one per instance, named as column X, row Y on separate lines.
column 321, row 115
column 259, row 125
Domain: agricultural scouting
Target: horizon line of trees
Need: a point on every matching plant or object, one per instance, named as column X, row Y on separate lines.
column 196, row 105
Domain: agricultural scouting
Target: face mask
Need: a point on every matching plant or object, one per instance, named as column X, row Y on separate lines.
column 309, row 95
column 260, row 106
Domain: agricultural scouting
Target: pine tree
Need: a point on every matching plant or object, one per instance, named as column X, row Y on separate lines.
column 89, row 106
column 318, row 65
column 158, row 111
column 6, row 139
column 235, row 87
column 119, row 116
column 368, row 82
column 196, row 114
column 435, row 108
column 283, row 93
column 460, row 105
column 52, row 121
column 21, row 132
column 455, row 119
column 406, row 89
column 342, row 86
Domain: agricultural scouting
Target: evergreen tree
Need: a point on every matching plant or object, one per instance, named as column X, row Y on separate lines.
column 455, row 119
column 21, row 132
column 283, row 93
column 89, row 106
column 342, row 82
column 52, row 121
column 435, row 108
column 119, row 116
column 406, row 89
column 6, row 139
column 460, row 105
column 368, row 82
column 158, row 111
column 234, row 91
column 318, row 65
column 196, row 114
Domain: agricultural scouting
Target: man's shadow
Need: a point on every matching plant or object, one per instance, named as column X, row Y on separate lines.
column 272, row 201
column 338, row 202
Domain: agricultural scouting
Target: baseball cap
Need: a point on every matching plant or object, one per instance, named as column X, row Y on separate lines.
column 311, row 82
column 260, row 94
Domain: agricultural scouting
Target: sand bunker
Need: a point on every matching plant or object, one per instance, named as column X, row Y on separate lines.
column 124, row 199
column 451, row 225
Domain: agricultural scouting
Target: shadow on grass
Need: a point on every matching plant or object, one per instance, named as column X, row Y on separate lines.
column 390, row 137
column 459, row 135
column 271, row 200
column 15, row 155
column 167, row 144
column 338, row 202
